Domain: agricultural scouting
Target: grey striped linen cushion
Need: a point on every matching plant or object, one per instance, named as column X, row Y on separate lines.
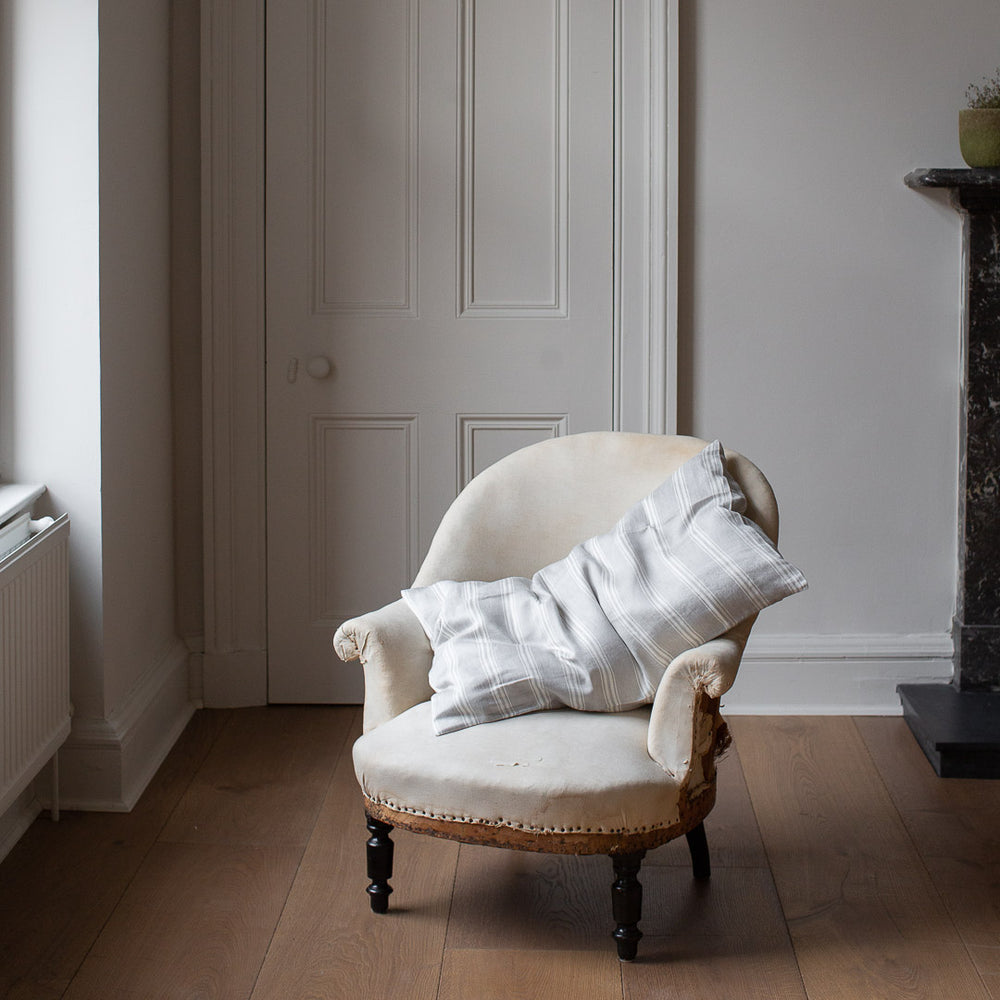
column 596, row 630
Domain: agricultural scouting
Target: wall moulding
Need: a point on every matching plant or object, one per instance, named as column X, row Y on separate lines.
column 547, row 252
column 106, row 763
column 394, row 205
column 232, row 116
column 835, row 674
column 335, row 600
column 477, row 429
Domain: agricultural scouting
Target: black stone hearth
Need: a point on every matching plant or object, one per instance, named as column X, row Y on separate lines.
column 958, row 724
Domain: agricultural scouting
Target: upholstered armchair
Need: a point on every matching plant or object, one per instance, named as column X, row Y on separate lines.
column 559, row 780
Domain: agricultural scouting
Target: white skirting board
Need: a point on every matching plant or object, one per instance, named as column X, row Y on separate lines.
column 106, row 764
column 835, row 674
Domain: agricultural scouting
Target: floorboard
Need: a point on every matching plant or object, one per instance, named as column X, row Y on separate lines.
column 530, row 975
column 265, row 779
column 62, row 881
column 698, row 968
column 328, row 943
column 519, row 900
column 955, row 826
column 864, row 915
column 195, row 922
column 723, row 938
column 842, row 868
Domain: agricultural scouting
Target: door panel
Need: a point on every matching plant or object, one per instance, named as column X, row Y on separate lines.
column 513, row 173
column 486, row 438
column 362, row 486
column 439, row 230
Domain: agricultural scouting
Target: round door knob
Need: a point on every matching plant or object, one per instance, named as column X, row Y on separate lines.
column 318, row 367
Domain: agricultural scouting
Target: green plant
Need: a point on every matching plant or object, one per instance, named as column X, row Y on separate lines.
column 985, row 94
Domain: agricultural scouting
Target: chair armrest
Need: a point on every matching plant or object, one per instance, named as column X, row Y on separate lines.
column 396, row 658
column 680, row 731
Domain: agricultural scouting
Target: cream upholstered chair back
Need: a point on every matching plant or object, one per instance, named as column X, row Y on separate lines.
column 532, row 507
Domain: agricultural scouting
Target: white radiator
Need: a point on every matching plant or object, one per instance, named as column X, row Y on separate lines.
column 35, row 708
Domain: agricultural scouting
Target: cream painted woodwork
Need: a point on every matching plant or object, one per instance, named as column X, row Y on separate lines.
column 440, row 223
column 641, row 257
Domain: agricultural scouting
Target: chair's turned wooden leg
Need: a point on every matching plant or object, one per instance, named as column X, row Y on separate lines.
column 626, row 903
column 379, row 849
column 698, row 845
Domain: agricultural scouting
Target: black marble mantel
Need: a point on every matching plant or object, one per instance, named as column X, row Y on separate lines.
column 958, row 724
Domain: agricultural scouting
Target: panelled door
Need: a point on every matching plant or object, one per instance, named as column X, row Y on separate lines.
column 440, row 288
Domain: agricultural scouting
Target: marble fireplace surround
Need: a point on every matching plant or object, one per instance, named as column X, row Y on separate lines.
column 958, row 725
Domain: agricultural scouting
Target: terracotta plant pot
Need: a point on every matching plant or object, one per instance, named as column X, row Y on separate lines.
column 979, row 136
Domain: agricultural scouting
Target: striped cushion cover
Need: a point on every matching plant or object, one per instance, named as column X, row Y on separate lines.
column 596, row 630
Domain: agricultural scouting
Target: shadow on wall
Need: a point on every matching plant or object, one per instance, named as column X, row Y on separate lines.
column 686, row 185
column 7, row 386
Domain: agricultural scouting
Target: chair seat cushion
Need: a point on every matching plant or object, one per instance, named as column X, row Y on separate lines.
column 559, row 771
column 596, row 630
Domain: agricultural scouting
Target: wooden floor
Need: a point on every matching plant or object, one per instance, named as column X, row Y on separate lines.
column 843, row 868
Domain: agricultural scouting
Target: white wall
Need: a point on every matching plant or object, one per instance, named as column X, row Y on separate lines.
column 185, row 312
column 50, row 410
column 86, row 389
column 820, row 322
column 145, row 666
column 135, row 340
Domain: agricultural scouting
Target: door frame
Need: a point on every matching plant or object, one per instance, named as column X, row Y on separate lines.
column 644, row 369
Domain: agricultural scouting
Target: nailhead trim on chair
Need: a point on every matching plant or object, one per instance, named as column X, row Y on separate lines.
column 499, row 822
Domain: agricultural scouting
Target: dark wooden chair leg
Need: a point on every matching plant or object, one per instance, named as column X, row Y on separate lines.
column 379, row 850
column 698, row 845
column 626, row 903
